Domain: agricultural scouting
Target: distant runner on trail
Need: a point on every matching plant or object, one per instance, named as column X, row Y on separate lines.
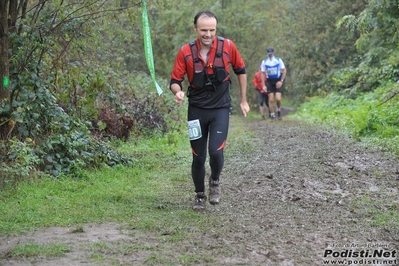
column 273, row 69
column 262, row 95
column 206, row 62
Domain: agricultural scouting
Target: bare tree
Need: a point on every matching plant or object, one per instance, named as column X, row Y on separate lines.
column 4, row 71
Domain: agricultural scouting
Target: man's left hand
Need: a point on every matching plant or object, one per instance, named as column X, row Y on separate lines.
column 244, row 108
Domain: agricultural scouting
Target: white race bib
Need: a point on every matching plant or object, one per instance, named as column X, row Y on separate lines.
column 272, row 71
column 194, row 129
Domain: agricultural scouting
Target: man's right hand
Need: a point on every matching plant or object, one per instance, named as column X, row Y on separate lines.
column 179, row 96
column 264, row 88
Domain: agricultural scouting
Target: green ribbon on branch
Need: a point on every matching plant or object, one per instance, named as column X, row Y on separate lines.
column 148, row 46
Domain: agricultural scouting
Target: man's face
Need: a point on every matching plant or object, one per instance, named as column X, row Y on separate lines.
column 206, row 30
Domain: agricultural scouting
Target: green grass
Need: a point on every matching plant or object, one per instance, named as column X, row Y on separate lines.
column 368, row 117
column 378, row 213
column 35, row 250
column 138, row 195
column 287, row 102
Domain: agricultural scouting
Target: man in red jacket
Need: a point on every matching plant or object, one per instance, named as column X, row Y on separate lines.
column 206, row 63
column 262, row 94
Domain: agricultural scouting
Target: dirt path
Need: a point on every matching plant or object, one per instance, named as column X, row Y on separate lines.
column 296, row 194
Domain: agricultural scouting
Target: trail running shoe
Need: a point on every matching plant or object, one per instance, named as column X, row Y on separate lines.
column 272, row 118
column 279, row 115
column 214, row 191
column 263, row 117
column 199, row 201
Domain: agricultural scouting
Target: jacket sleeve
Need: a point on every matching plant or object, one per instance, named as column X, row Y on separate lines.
column 179, row 68
column 235, row 59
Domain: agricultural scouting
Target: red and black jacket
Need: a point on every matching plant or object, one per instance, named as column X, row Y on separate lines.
column 211, row 90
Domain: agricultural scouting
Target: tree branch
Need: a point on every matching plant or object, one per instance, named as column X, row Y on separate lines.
column 390, row 98
column 91, row 14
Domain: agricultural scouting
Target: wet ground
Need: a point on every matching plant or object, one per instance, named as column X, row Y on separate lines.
column 298, row 195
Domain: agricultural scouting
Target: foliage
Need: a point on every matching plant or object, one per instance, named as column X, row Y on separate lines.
column 364, row 92
column 377, row 43
column 60, row 89
column 23, row 158
column 318, row 49
column 61, row 141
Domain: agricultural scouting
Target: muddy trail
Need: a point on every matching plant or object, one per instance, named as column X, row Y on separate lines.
column 298, row 195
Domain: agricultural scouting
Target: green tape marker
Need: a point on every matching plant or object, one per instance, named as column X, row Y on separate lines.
column 148, row 46
column 6, row 81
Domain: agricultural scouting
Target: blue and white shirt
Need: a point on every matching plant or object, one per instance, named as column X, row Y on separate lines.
column 272, row 67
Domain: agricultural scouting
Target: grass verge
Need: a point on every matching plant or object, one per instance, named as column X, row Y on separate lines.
column 155, row 195
column 137, row 195
column 369, row 117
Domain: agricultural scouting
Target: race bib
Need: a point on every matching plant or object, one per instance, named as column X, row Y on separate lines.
column 272, row 71
column 194, row 129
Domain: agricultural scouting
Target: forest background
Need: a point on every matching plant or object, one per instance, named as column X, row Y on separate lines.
column 75, row 79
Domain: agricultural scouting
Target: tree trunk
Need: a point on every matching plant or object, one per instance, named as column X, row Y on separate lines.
column 4, row 70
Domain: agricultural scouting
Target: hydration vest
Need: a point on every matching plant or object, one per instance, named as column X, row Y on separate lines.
column 201, row 77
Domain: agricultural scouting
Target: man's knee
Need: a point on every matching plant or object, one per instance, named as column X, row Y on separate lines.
column 216, row 155
column 199, row 159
